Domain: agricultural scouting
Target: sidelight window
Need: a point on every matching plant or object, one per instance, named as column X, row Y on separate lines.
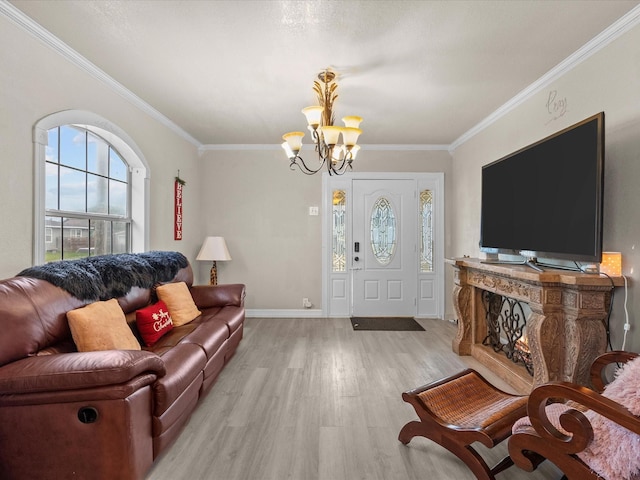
column 339, row 238
column 426, row 231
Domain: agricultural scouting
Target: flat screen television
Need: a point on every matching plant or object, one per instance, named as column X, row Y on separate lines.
column 545, row 200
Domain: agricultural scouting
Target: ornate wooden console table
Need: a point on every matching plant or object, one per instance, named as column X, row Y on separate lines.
column 565, row 330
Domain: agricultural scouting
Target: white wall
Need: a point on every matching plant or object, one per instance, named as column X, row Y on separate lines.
column 35, row 82
column 262, row 209
column 608, row 81
column 249, row 197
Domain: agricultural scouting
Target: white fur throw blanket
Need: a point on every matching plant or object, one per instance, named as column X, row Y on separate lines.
column 614, row 453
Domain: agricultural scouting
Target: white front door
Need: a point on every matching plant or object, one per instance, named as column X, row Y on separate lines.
column 398, row 268
column 383, row 256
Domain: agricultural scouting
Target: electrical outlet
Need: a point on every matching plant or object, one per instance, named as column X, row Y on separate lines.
column 306, row 303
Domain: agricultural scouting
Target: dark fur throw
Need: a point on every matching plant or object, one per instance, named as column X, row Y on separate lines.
column 109, row 276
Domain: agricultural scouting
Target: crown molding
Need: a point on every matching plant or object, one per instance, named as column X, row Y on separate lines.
column 240, row 146
column 54, row 43
column 616, row 30
column 406, row 147
column 307, row 147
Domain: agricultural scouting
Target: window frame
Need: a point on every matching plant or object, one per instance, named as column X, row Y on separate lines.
column 125, row 147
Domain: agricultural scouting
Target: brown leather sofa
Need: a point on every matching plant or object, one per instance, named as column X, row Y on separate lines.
column 107, row 414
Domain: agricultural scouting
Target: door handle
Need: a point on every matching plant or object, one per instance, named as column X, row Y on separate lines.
column 356, row 259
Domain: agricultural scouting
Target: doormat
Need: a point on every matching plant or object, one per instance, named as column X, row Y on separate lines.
column 385, row 323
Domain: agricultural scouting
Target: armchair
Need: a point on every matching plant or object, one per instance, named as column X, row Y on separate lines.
column 588, row 434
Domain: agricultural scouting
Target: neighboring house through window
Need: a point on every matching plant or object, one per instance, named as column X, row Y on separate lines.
column 91, row 189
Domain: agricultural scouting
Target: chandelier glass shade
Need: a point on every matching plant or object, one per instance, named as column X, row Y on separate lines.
column 333, row 155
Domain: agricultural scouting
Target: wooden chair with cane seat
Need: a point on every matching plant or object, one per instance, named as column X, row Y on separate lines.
column 558, row 428
column 462, row 409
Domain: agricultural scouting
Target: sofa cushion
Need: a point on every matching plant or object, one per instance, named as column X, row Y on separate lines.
column 137, row 297
column 153, row 322
column 232, row 316
column 184, row 363
column 101, row 326
column 211, row 334
column 179, row 302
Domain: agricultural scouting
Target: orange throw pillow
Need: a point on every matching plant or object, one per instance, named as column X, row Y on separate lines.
column 101, row 326
column 179, row 301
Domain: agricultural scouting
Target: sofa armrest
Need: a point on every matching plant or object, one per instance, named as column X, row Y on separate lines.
column 207, row 296
column 77, row 370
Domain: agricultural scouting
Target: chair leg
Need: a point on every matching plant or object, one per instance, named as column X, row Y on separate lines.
column 472, row 459
column 466, row 453
column 502, row 465
column 410, row 430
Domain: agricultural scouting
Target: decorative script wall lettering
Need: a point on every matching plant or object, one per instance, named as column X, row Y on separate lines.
column 556, row 105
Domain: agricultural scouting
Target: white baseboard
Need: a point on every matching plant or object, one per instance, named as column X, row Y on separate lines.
column 310, row 313
column 284, row 313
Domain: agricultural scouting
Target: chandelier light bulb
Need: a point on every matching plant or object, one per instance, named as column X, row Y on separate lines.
column 285, row 146
column 336, row 153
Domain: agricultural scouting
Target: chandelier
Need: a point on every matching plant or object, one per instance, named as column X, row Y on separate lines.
column 337, row 157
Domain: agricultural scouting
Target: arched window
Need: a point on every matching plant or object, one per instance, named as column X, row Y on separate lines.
column 91, row 189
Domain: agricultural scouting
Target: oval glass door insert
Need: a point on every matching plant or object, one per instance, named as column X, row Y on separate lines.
column 383, row 231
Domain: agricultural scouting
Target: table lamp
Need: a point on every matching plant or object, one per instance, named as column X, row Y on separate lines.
column 611, row 264
column 213, row 249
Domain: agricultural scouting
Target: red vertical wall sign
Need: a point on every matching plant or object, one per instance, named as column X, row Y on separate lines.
column 177, row 224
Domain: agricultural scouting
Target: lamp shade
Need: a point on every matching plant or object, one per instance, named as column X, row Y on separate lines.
column 352, row 121
column 214, row 248
column 294, row 139
column 288, row 150
column 331, row 134
column 313, row 115
column 350, row 135
column 611, row 263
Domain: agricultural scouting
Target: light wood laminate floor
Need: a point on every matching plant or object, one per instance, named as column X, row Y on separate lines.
column 310, row 399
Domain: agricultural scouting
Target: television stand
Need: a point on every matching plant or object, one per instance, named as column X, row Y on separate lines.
column 565, row 329
column 531, row 262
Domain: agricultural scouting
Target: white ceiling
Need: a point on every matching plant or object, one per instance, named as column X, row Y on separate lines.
column 238, row 72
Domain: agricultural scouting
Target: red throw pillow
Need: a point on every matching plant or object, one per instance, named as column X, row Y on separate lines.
column 153, row 322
